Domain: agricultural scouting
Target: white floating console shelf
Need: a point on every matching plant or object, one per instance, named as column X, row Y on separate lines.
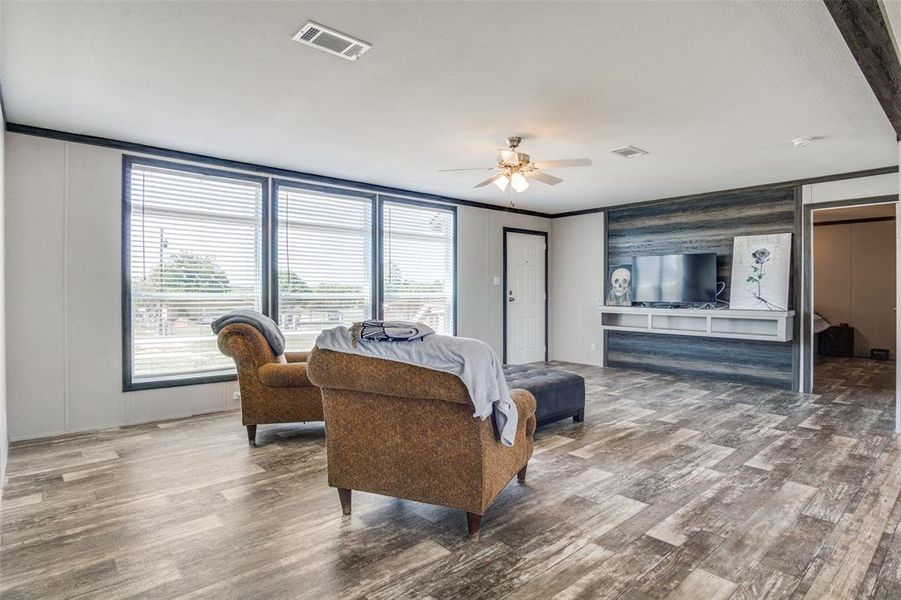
column 769, row 325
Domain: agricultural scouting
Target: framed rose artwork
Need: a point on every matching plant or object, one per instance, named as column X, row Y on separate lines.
column 760, row 271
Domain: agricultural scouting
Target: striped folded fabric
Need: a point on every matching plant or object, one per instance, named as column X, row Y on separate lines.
column 388, row 331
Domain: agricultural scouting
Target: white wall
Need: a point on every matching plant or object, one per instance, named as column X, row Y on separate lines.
column 850, row 189
column 897, row 12
column 854, row 280
column 4, row 437
column 480, row 257
column 64, row 285
column 577, row 283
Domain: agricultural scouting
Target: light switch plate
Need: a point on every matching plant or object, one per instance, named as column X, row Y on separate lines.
column 497, row 280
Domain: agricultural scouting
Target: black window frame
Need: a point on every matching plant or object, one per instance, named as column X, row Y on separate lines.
column 381, row 246
column 277, row 184
column 270, row 185
column 128, row 380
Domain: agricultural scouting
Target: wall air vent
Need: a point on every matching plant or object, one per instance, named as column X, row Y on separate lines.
column 629, row 152
column 331, row 41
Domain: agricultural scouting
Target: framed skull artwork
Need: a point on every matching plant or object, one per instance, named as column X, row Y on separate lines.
column 619, row 285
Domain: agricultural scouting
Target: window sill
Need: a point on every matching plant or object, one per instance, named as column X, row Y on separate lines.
column 177, row 381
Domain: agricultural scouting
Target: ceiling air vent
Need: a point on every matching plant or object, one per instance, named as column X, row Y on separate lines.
column 629, row 152
column 331, row 41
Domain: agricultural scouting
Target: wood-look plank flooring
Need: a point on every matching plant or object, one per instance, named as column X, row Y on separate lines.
column 671, row 488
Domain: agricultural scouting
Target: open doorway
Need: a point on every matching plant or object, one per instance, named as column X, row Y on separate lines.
column 854, row 344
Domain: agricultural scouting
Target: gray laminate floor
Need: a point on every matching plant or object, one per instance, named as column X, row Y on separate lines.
column 870, row 381
column 672, row 488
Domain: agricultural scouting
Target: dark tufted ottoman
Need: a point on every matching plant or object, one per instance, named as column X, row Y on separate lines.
column 558, row 394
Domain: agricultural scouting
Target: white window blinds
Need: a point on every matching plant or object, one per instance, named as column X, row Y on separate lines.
column 418, row 264
column 195, row 252
column 324, row 270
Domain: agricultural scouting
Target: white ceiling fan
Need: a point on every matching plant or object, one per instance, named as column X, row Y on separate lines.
column 516, row 168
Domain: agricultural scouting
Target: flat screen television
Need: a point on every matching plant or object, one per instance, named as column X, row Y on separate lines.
column 674, row 278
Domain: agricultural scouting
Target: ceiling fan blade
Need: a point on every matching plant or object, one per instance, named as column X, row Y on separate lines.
column 543, row 177
column 472, row 169
column 559, row 164
column 491, row 179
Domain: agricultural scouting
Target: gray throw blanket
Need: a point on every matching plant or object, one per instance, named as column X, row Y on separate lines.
column 263, row 324
column 389, row 331
column 473, row 361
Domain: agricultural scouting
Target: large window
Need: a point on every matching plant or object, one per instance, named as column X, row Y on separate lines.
column 418, row 264
column 200, row 242
column 194, row 242
column 324, row 261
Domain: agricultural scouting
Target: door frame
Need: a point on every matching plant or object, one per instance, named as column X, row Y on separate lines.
column 807, row 363
column 543, row 234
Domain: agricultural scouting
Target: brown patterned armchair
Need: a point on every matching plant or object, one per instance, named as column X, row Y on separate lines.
column 408, row 432
column 274, row 389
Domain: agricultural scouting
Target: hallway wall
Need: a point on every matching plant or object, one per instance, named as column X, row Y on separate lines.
column 854, row 280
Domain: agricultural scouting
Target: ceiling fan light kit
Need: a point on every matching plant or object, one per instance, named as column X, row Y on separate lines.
column 518, row 182
column 515, row 169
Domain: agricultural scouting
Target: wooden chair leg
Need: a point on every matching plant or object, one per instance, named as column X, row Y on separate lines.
column 473, row 524
column 344, row 496
column 521, row 476
column 252, row 435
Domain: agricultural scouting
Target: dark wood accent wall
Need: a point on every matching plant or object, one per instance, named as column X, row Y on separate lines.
column 705, row 224
column 745, row 361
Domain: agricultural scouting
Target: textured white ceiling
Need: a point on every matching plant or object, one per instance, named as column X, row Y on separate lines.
column 714, row 91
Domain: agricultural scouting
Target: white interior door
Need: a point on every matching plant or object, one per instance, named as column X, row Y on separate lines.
column 525, row 298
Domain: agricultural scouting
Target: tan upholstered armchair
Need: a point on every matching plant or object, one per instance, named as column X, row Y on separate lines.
column 408, row 432
column 274, row 389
